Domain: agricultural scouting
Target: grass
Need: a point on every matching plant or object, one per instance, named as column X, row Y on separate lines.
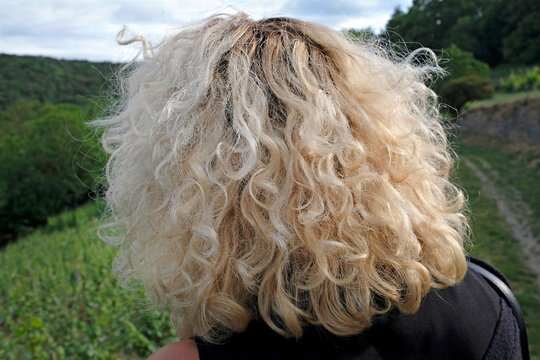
column 493, row 240
column 59, row 299
column 503, row 97
column 512, row 174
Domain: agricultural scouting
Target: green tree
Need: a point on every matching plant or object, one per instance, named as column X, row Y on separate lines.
column 467, row 80
column 459, row 63
column 487, row 28
column 51, row 80
column 429, row 22
column 522, row 45
column 48, row 162
column 362, row 34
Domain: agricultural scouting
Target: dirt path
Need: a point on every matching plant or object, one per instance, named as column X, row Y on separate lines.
column 513, row 209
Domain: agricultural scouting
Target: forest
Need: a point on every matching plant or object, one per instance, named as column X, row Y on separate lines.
column 49, row 160
column 496, row 32
column 51, row 171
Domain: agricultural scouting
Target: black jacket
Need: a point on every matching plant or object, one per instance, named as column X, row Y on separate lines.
column 466, row 321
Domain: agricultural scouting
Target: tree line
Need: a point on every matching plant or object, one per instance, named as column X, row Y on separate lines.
column 49, row 159
column 51, row 80
column 495, row 31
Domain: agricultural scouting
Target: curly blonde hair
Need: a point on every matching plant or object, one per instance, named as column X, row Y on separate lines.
column 275, row 169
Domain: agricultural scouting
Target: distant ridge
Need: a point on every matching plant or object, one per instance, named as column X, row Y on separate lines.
column 51, row 80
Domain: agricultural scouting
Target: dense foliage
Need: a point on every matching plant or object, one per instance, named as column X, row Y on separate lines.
column 468, row 79
column 522, row 81
column 49, row 160
column 50, row 80
column 458, row 92
column 496, row 31
column 459, row 63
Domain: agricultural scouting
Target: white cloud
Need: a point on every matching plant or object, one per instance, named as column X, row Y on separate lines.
column 86, row 29
column 340, row 14
column 376, row 22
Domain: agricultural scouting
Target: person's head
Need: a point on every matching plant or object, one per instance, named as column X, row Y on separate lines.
column 275, row 169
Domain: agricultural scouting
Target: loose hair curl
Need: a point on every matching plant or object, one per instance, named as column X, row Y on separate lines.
column 275, row 169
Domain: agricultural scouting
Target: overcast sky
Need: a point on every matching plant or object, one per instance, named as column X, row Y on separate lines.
column 86, row 29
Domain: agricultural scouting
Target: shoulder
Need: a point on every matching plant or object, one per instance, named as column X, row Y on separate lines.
column 181, row 350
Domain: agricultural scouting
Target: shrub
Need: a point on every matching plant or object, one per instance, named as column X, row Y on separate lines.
column 461, row 64
column 458, row 91
column 526, row 81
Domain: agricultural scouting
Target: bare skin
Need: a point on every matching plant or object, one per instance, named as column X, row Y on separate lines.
column 181, row 350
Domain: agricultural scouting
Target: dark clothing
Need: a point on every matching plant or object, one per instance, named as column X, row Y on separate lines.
column 466, row 321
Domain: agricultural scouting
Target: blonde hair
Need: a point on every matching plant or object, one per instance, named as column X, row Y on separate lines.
column 276, row 169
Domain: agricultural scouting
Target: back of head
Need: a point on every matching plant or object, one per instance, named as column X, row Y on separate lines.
column 275, row 169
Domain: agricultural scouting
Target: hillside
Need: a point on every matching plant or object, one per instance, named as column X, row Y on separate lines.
column 512, row 120
column 59, row 299
column 510, row 124
column 50, row 80
column 49, row 159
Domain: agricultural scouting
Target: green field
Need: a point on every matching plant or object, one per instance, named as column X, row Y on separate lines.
column 59, row 298
column 503, row 97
